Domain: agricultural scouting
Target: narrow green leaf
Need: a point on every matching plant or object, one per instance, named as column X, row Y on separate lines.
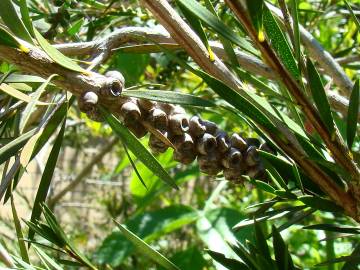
column 264, row 186
column 8, row 39
column 235, row 99
column 261, row 243
column 134, row 166
column 357, row 22
column 244, row 254
column 255, row 8
column 11, row 148
column 12, row 20
column 169, row 97
column 46, row 259
column 30, row 106
column 19, row 95
column 141, row 152
column 212, row 21
column 320, row 203
column 279, row 43
column 23, row 250
column 282, row 256
column 334, row 228
column 25, row 16
column 228, row 47
column 46, row 179
column 56, row 55
column 296, row 29
column 146, row 249
column 195, row 23
column 319, row 95
column 229, row 263
column 73, row 30
column 352, row 115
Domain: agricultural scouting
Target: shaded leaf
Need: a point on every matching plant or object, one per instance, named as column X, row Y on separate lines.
column 230, row 264
column 319, row 95
column 334, row 228
column 352, row 115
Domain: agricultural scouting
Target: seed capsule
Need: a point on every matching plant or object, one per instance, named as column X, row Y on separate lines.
column 257, row 171
column 223, row 141
column 211, row 127
column 184, row 142
column 178, row 124
column 158, row 119
column 166, row 107
column 136, row 128
column 252, row 156
column 87, row 104
column 130, row 111
column 238, row 142
column 116, row 75
column 253, row 141
column 196, row 128
column 233, row 174
column 146, row 104
column 206, row 144
column 265, row 147
column 157, row 145
column 209, row 164
column 233, row 159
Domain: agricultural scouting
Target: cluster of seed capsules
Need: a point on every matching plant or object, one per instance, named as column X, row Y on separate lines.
column 192, row 138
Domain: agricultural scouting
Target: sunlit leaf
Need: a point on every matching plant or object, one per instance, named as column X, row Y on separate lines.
column 141, row 152
column 319, row 95
column 56, row 55
column 46, row 178
column 12, row 20
column 147, row 250
column 169, row 97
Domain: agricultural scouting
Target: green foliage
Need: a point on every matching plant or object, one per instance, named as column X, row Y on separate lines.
column 168, row 215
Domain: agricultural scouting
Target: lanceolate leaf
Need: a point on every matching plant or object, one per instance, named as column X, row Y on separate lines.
column 56, row 55
column 7, row 39
column 212, row 21
column 357, row 22
column 11, row 148
column 25, row 16
column 319, row 95
column 282, row 256
column 197, row 27
column 138, row 149
column 46, row 179
column 230, row 264
column 18, row 95
column 30, row 106
column 12, row 20
column 353, row 113
column 236, row 100
column 19, row 233
column 147, row 250
column 279, row 43
column 169, row 97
